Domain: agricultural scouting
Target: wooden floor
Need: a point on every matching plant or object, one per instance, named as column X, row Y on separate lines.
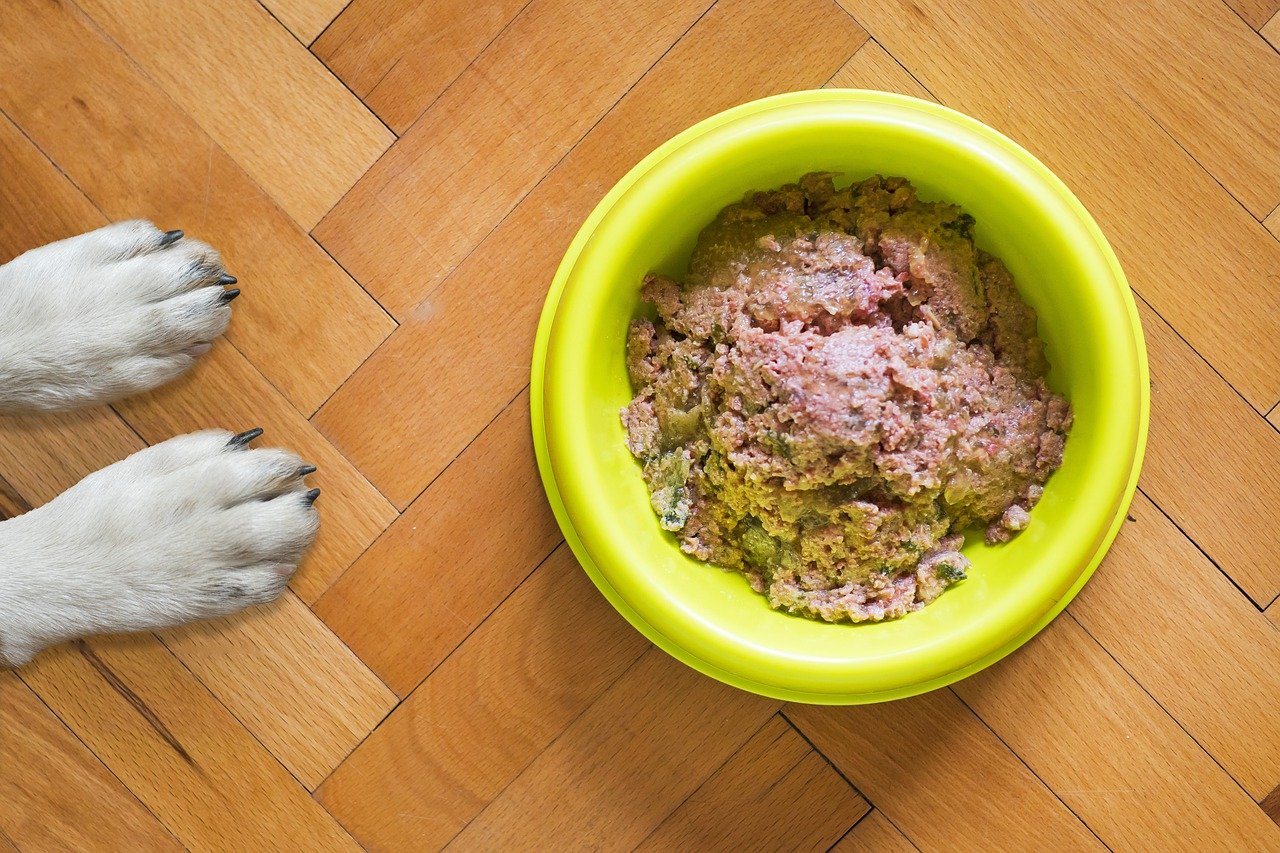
column 394, row 181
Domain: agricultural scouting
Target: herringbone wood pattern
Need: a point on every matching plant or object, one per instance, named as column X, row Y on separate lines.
column 394, row 182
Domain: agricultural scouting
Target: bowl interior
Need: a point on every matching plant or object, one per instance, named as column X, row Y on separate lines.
column 1062, row 267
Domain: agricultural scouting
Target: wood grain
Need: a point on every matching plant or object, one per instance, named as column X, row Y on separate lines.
column 630, row 759
column 302, row 693
column 1271, row 32
column 400, row 55
column 432, row 200
column 742, row 50
column 874, row 834
column 1110, row 751
column 750, row 802
column 873, row 68
column 12, row 504
column 178, row 750
column 942, row 776
column 306, row 19
column 36, row 204
column 1042, row 51
column 1234, row 456
column 275, row 110
column 1218, row 680
column 488, row 711
column 38, row 756
column 482, row 526
column 1255, row 13
column 135, row 154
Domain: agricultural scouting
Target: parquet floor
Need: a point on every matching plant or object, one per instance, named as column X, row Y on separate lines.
column 394, row 181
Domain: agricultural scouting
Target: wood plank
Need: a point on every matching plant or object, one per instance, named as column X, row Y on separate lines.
column 874, row 834
column 637, row 753
column 485, row 713
column 1255, row 13
column 1109, row 751
column 1233, row 456
column 178, row 750
column 1219, row 681
column 400, row 55
column 941, row 776
column 482, row 527
column 37, row 204
column 743, row 49
column 306, row 19
column 1271, row 32
column 135, row 154
column 290, row 681
column 491, row 137
column 1272, row 222
column 1271, row 805
column 275, row 109
column 873, row 68
column 1038, row 53
column 12, row 504
column 225, row 391
column 775, row 793
column 56, row 795
column 1147, row 192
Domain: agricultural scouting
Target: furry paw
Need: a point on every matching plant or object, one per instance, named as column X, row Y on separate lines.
column 194, row 527
column 114, row 312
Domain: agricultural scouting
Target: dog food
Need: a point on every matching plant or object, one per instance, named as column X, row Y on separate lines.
column 840, row 387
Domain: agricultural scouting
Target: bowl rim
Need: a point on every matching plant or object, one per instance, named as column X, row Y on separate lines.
column 545, row 453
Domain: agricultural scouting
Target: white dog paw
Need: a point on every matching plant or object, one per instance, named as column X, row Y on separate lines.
column 198, row 526
column 114, row 312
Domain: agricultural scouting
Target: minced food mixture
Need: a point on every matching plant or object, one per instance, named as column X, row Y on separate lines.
column 842, row 385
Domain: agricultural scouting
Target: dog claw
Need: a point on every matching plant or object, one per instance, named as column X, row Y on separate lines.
column 170, row 237
column 245, row 437
column 228, row 295
column 306, row 469
column 227, row 278
column 310, row 497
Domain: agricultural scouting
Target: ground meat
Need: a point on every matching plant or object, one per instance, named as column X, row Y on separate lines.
column 842, row 384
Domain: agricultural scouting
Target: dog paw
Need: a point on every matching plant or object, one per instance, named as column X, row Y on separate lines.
column 195, row 527
column 114, row 312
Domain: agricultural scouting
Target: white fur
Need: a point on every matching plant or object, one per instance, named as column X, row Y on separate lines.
column 191, row 528
column 194, row 527
column 95, row 318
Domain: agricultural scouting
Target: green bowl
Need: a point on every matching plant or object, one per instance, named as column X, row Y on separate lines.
column 711, row 619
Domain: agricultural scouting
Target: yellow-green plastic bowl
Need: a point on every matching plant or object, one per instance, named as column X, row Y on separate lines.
column 711, row 619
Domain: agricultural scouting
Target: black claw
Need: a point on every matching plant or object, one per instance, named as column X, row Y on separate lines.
column 310, row 497
column 226, row 279
column 306, row 469
column 170, row 237
column 228, row 295
column 245, row 437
